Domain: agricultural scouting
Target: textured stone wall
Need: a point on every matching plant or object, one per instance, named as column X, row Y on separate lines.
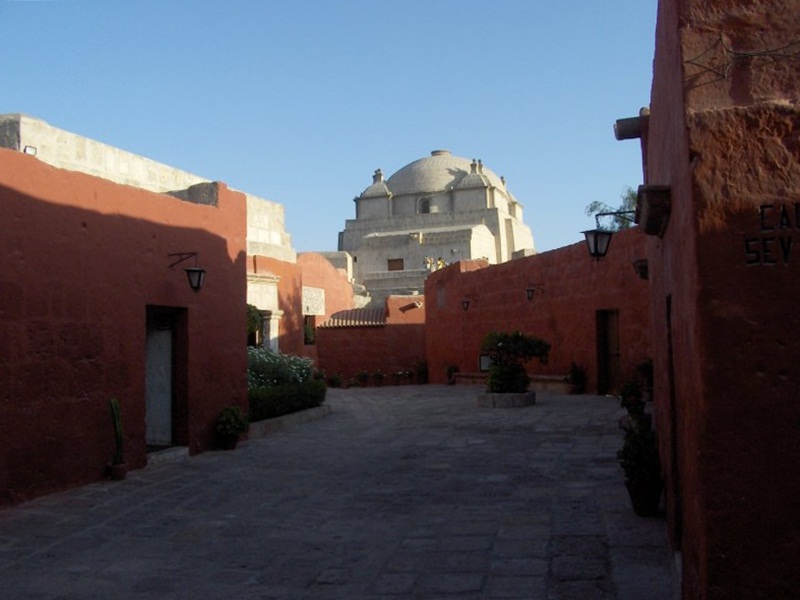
column 724, row 134
column 83, row 259
column 67, row 150
column 266, row 230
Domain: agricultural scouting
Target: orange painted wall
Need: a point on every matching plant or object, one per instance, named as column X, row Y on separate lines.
column 290, row 299
column 397, row 346
column 83, row 258
column 570, row 288
column 318, row 272
column 311, row 270
column 724, row 282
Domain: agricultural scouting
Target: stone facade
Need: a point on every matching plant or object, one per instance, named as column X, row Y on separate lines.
column 434, row 211
column 723, row 137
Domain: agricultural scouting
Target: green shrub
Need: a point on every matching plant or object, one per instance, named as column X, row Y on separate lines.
column 509, row 353
column 231, row 422
column 422, row 372
column 639, row 456
column 269, row 402
column 507, row 379
column 577, row 377
column 253, row 321
column 266, row 368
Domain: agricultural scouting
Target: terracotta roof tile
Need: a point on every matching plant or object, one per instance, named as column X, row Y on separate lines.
column 357, row 317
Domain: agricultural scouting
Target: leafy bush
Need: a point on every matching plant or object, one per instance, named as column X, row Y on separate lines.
column 280, row 384
column 639, row 456
column 422, row 372
column 577, row 377
column 266, row 368
column 507, row 379
column 231, row 421
column 514, row 348
column 269, row 402
column 509, row 352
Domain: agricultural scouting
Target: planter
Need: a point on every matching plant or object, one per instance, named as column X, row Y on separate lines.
column 492, row 400
column 645, row 497
column 227, row 442
column 117, row 472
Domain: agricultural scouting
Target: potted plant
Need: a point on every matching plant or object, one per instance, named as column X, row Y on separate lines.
column 118, row 468
column 450, row 373
column 231, row 423
column 363, row 378
column 577, row 379
column 630, row 397
column 640, row 462
column 422, row 372
column 509, row 352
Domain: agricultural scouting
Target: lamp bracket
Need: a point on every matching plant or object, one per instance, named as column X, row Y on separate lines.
column 181, row 257
column 622, row 214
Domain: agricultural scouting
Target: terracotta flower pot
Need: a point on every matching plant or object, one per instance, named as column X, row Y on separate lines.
column 645, row 497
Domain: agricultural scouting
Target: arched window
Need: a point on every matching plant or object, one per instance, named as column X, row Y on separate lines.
column 424, row 206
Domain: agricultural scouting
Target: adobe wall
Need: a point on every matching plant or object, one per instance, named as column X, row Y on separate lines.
column 397, row 346
column 318, row 272
column 328, row 281
column 570, row 288
column 289, row 299
column 724, row 133
column 83, row 258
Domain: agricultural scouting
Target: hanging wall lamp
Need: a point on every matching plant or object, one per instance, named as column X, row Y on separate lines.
column 466, row 301
column 530, row 291
column 598, row 240
column 195, row 274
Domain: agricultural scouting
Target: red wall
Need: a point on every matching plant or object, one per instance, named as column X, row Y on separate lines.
column 290, row 299
column 83, row 258
column 318, row 272
column 724, row 283
column 311, row 270
column 397, row 346
column 570, row 287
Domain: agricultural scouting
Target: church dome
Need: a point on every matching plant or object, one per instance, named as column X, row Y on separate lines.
column 435, row 173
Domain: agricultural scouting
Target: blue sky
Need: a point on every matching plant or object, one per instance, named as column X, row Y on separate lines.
column 299, row 101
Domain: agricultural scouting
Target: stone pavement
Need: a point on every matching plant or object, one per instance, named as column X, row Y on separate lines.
column 401, row 492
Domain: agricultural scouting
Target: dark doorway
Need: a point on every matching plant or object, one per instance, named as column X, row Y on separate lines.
column 608, row 354
column 165, row 377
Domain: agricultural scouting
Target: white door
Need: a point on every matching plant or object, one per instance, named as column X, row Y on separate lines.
column 158, row 380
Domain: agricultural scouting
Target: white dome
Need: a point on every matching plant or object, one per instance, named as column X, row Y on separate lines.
column 435, row 173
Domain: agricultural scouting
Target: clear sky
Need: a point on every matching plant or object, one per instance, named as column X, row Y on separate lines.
column 299, row 101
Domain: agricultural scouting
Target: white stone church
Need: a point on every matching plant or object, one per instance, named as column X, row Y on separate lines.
column 434, row 211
